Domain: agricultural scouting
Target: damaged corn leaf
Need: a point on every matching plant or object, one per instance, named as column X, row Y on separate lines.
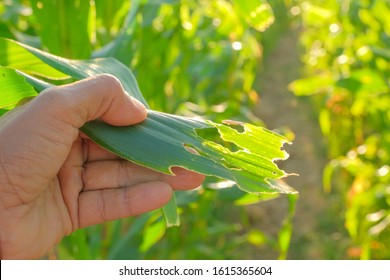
column 164, row 140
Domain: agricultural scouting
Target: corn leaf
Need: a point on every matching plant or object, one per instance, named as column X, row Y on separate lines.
column 15, row 56
column 77, row 69
column 119, row 47
column 60, row 35
column 257, row 13
column 11, row 82
column 164, row 140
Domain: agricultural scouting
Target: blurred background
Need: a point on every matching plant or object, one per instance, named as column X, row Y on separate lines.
column 315, row 71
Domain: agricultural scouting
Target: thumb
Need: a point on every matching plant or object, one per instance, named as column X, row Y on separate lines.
column 101, row 96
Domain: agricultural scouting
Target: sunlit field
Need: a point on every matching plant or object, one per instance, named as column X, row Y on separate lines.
column 315, row 72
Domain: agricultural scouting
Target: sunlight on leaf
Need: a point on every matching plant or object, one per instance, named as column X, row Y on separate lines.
column 170, row 213
column 13, row 89
column 160, row 141
column 257, row 13
column 152, row 234
column 15, row 56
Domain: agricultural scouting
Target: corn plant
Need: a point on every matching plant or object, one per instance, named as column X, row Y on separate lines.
column 127, row 32
column 347, row 65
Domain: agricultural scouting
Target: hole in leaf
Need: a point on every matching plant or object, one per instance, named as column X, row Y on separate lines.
column 190, row 148
column 212, row 134
column 237, row 125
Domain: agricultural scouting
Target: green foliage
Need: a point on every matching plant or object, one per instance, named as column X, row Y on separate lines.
column 10, row 81
column 347, row 75
column 190, row 58
column 60, row 35
column 203, row 47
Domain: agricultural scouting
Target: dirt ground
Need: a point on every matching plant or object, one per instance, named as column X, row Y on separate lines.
column 279, row 108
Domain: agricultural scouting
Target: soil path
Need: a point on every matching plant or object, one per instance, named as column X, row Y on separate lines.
column 280, row 108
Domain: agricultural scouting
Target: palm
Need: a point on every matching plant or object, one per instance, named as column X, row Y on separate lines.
column 91, row 187
column 46, row 221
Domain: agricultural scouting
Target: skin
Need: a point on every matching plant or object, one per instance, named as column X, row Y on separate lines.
column 54, row 180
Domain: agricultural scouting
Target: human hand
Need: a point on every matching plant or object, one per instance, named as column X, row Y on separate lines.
column 54, row 180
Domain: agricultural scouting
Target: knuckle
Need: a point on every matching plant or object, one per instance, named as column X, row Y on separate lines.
column 110, row 82
column 51, row 95
column 101, row 202
column 53, row 99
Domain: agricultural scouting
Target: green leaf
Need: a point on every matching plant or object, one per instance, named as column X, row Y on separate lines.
column 249, row 199
column 256, row 237
column 80, row 69
column 13, row 89
column 15, row 56
column 160, row 142
column 257, row 13
column 367, row 81
column 58, row 33
column 152, row 234
column 312, row 85
column 163, row 140
column 120, row 46
column 381, row 52
column 121, row 244
column 170, row 213
column 285, row 232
